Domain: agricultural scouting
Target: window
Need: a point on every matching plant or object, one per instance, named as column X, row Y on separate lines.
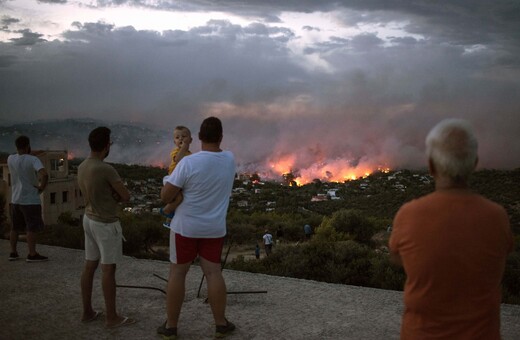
column 53, row 198
column 57, row 164
column 64, row 196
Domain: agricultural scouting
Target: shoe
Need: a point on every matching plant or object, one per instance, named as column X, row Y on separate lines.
column 36, row 258
column 96, row 315
column 167, row 333
column 13, row 256
column 166, row 225
column 223, row 331
column 125, row 322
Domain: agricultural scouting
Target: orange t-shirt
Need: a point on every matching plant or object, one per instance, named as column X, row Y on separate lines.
column 453, row 245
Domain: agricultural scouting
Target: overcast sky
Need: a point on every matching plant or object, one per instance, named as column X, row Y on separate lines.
column 312, row 86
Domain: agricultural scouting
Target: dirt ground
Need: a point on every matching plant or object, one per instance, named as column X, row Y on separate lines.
column 42, row 301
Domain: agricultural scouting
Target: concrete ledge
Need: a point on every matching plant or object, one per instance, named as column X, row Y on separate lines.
column 42, row 300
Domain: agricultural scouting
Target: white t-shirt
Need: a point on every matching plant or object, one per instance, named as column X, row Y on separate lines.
column 206, row 179
column 268, row 239
column 24, row 178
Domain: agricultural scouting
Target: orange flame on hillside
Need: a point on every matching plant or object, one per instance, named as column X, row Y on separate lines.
column 338, row 170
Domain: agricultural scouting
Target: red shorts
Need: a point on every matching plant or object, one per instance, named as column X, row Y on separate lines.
column 185, row 249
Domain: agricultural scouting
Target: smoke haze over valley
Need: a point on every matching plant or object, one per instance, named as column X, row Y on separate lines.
column 328, row 89
column 146, row 145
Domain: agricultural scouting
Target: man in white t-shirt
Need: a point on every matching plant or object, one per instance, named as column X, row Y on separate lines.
column 28, row 180
column 268, row 242
column 199, row 225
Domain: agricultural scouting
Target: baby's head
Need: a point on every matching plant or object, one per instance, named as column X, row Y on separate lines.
column 181, row 135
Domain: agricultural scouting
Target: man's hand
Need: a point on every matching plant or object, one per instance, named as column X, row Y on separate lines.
column 40, row 188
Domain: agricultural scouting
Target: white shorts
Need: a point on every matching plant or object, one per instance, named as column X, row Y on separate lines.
column 103, row 241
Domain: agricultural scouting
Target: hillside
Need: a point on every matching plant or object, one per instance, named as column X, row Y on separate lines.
column 133, row 144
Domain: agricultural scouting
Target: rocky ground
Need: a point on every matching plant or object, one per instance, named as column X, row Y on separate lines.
column 42, row 301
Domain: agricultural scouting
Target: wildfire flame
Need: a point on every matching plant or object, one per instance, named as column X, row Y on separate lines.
column 338, row 170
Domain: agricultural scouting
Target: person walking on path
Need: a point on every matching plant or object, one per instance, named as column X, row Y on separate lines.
column 268, row 242
column 453, row 245
column 28, row 180
column 199, row 225
column 102, row 189
column 307, row 229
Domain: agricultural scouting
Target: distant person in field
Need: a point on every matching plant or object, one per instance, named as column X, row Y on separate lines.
column 279, row 234
column 257, row 251
column 182, row 139
column 307, row 229
column 453, row 245
column 268, row 242
column 28, row 180
column 199, row 225
column 102, row 189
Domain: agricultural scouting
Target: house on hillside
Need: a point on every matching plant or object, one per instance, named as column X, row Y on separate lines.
column 62, row 193
column 319, row 198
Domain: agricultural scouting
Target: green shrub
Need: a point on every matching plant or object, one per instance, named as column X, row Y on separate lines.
column 240, row 233
column 354, row 224
column 67, row 218
column 142, row 234
column 326, row 233
column 386, row 275
column 62, row 235
column 511, row 279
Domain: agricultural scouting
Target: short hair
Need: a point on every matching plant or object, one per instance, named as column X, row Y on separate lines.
column 22, row 142
column 452, row 147
column 182, row 128
column 211, row 130
column 99, row 138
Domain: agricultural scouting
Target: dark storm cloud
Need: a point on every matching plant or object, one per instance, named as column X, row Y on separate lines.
column 6, row 21
column 367, row 98
column 28, row 38
column 53, row 1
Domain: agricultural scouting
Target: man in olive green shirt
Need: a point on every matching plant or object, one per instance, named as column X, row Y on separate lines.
column 102, row 189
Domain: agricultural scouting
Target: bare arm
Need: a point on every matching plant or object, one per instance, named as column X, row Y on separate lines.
column 121, row 191
column 169, row 192
column 43, row 178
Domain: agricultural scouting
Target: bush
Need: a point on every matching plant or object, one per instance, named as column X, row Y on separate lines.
column 386, row 275
column 241, row 233
column 344, row 262
column 67, row 218
column 511, row 279
column 62, row 235
column 143, row 234
column 326, row 233
column 354, row 224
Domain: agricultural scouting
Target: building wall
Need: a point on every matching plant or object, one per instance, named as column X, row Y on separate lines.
column 62, row 193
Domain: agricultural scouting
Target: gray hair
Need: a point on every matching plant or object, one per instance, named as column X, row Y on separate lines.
column 452, row 147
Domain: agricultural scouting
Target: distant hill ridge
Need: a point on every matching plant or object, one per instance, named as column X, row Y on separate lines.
column 133, row 143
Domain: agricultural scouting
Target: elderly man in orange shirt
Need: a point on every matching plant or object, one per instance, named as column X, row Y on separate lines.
column 453, row 245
